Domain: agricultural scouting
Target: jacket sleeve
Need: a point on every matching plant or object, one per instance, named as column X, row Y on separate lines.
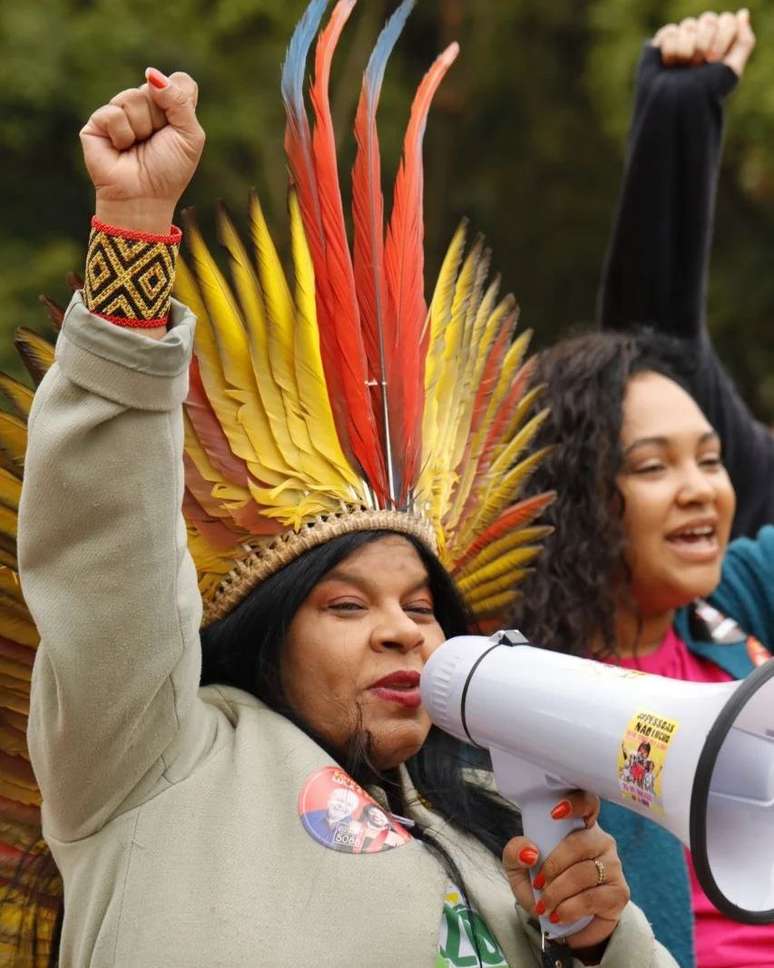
column 746, row 590
column 105, row 568
column 632, row 942
column 657, row 264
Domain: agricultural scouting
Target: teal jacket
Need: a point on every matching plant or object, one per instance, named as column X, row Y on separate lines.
column 653, row 859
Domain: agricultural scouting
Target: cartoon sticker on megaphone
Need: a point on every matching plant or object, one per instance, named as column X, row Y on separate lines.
column 697, row 758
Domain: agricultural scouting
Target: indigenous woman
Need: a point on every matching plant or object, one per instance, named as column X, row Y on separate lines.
column 339, row 455
column 639, row 570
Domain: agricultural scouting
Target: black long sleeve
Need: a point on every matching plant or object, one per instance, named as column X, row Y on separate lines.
column 657, row 264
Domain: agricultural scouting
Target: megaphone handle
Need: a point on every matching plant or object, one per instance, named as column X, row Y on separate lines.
column 536, row 793
column 546, row 833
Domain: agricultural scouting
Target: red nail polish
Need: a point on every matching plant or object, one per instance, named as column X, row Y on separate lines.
column 561, row 810
column 540, row 882
column 528, row 856
column 554, row 919
column 540, row 908
column 156, row 78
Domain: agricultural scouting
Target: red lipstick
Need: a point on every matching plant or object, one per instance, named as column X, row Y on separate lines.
column 401, row 687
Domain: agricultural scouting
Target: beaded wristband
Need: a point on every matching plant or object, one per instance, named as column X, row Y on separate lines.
column 129, row 275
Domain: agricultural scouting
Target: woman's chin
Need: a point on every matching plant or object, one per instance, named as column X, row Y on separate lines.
column 693, row 583
column 392, row 745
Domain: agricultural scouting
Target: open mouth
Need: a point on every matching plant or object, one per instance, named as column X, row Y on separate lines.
column 695, row 540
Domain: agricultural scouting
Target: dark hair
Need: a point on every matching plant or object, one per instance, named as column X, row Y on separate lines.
column 244, row 649
column 569, row 600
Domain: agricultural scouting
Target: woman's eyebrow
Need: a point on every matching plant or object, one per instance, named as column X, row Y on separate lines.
column 659, row 441
column 367, row 583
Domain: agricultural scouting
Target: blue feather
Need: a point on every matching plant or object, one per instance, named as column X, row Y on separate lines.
column 294, row 67
column 377, row 63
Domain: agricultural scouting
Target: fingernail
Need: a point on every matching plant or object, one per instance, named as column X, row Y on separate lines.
column 561, row 810
column 540, row 882
column 554, row 919
column 540, row 908
column 528, row 856
column 156, row 78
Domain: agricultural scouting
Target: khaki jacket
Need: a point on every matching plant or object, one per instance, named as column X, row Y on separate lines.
column 172, row 812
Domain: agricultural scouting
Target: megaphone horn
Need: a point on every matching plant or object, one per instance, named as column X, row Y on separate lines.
column 697, row 758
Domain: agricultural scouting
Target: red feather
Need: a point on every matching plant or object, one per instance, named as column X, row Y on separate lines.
column 513, row 517
column 209, row 431
column 404, row 265
column 491, row 372
column 340, row 313
column 368, row 219
column 503, row 415
column 216, row 533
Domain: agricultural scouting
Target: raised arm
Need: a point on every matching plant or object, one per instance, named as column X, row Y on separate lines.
column 657, row 263
column 102, row 543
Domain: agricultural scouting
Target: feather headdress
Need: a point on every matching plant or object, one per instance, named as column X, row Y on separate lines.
column 340, row 401
column 333, row 401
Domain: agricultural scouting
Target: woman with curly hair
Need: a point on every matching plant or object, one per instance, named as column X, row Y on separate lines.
column 639, row 570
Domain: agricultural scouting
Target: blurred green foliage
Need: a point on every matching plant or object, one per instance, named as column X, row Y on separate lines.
column 526, row 138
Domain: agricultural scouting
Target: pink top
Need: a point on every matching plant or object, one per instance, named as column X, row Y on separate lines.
column 720, row 942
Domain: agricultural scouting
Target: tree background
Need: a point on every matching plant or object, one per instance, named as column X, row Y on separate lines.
column 526, row 138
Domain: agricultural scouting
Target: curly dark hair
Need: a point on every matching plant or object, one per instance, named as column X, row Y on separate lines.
column 568, row 602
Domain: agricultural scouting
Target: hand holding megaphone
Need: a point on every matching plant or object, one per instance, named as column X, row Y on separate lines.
column 696, row 758
column 580, row 881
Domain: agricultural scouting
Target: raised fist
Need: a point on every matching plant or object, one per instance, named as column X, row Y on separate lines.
column 712, row 37
column 142, row 149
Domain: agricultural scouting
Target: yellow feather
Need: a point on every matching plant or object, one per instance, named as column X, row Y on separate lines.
column 497, row 586
column 15, row 627
column 496, row 605
column 10, row 490
column 525, row 405
column 310, row 375
column 18, row 395
column 279, row 323
column 438, row 318
column 469, row 471
column 8, row 525
column 504, row 314
column 511, row 363
column 227, row 492
column 508, row 564
column 441, row 304
column 523, row 438
column 15, row 670
column 504, row 545
column 466, row 384
column 270, row 443
column 464, row 393
column 497, row 497
column 266, row 326
column 16, row 701
column 187, row 290
column 13, row 442
column 36, row 352
column 445, row 391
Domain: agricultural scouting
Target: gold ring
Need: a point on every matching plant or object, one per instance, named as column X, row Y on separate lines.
column 601, row 871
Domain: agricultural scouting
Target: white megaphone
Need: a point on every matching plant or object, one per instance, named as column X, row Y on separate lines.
column 697, row 758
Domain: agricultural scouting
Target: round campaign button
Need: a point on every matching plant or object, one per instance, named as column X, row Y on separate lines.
column 339, row 814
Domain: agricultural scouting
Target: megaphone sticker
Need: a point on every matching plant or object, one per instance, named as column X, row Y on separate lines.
column 641, row 758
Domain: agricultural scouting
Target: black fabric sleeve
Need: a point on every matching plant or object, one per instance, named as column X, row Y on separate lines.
column 656, row 268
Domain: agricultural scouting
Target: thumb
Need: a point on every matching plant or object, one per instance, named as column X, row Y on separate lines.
column 743, row 45
column 176, row 96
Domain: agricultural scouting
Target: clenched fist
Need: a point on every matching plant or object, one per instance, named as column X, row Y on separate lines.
column 726, row 37
column 142, row 149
